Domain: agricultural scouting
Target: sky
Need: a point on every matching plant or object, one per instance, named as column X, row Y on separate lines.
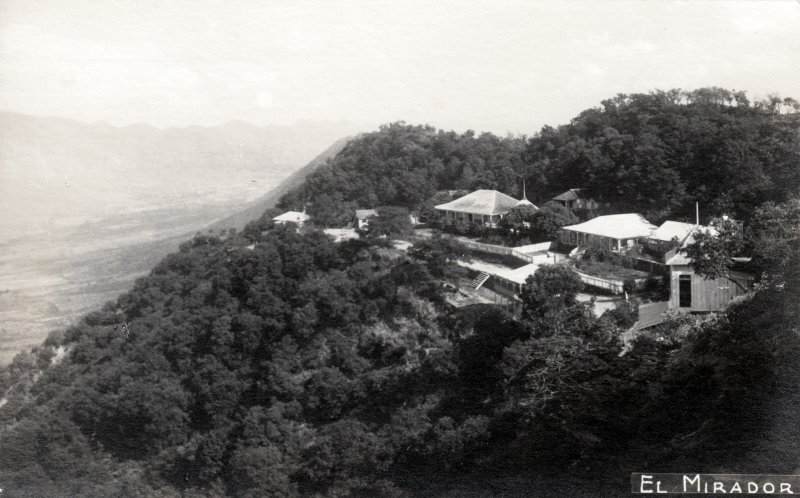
column 501, row 66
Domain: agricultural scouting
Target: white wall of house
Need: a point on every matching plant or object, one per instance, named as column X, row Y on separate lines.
column 471, row 218
column 580, row 238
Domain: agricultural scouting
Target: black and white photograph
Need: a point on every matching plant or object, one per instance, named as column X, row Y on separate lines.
column 373, row 248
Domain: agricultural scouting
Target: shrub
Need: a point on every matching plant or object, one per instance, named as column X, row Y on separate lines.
column 597, row 251
column 629, row 285
column 625, row 314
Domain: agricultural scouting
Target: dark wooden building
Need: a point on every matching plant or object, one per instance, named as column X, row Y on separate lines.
column 693, row 293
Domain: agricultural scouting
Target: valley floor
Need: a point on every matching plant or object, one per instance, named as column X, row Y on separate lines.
column 50, row 279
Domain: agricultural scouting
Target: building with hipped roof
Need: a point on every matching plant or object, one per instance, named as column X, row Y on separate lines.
column 617, row 231
column 486, row 207
column 296, row 218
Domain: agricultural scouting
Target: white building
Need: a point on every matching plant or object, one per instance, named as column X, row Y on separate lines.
column 363, row 216
column 695, row 293
column 618, row 231
column 292, row 218
column 483, row 207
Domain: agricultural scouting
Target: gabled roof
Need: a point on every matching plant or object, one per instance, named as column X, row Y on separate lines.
column 673, row 229
column 485, row 202
column 680, row 258
column 292, row 217
column 363, row 214
column 570, row 195
column 616, row 226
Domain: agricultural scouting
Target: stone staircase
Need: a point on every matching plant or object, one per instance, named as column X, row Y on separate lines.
column 478, row 281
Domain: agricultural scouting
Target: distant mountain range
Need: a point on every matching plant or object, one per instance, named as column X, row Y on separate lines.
column 56, row 171
column 87, row 209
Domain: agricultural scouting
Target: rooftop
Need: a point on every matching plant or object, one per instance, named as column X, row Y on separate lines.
column 651, row 314
column 616, row 226
column 570, row 195
column 340, row 234
column 485, row 202
column 673, row 229
column 680, row 258
column 292, row 217
column 518, row 275
column 363, row 214
column 525, row 202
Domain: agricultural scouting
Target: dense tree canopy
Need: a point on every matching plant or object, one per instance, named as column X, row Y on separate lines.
column 775, row 235
column 551, row 289
column 656, row 154
column 405, row 165
column 530, row 224
column 519, row 218
column 659, row 153
column 391, row 221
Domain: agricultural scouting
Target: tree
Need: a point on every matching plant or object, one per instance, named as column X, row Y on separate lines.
column 550, row 290
column 392, row 221
column 624, row 314
column 550, row 218
column 597, row 250
column 438, row 253
column 518, row 221
column 480, row 352
column 776, row 243
column 427, row 213
column 711, row 252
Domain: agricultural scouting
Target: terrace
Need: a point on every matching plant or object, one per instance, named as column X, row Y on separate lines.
column 604, row 269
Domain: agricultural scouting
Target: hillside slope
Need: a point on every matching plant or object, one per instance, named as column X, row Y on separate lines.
column 270, row 200
column 301, row 367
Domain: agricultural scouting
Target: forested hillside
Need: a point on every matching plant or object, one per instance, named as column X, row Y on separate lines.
column 656, row 154
column 274, row 363
column 302, row 366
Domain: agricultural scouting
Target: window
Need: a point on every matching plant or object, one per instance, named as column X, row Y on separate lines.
column 685, row 291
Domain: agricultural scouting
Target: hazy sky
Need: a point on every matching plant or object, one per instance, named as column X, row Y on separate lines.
column 491, row 65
